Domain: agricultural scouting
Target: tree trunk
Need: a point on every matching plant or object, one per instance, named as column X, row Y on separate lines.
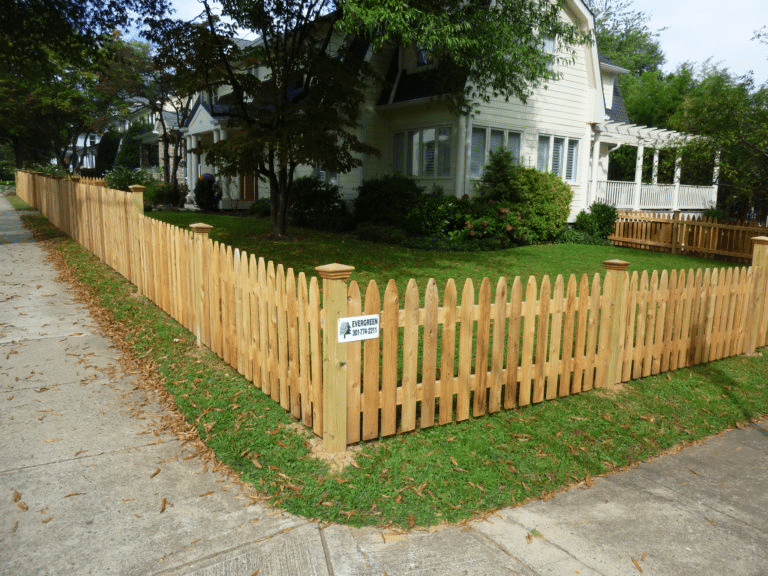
column 278, row 200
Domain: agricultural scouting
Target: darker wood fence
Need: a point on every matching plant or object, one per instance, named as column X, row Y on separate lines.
column 686, row 234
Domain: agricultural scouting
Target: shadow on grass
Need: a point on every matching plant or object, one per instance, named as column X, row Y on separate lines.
column 734, row 391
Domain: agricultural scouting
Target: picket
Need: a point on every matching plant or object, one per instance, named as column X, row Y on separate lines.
column 433, row 364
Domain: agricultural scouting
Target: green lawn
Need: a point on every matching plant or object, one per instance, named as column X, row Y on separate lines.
column 382, row 262
column 447, row 473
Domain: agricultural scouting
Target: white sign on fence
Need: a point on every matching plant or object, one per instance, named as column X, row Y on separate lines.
column 356, row 328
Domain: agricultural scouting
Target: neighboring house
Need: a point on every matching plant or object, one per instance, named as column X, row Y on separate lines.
column 208, row 124
column 86, row 147
column 568, row 127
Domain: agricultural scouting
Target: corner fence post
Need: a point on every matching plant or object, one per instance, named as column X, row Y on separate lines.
column 334, row 356
column 760, row 302
column 616, row 270
column 200, row 232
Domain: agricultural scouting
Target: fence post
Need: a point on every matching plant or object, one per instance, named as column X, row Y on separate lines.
column 334, row 357
column 615, row 270
column 134, row 215
column 675, row 229
column 759, row 309
column 200, row 232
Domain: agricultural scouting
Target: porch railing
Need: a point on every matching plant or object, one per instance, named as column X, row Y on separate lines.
column 622, row 195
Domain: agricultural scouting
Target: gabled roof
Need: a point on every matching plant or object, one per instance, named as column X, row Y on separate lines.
column 618, row 110
column 609, row 65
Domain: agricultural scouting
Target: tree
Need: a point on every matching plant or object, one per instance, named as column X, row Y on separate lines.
column 304, row 109
column 732, row 116
column 49, row 56
column 623, row 36
column 180, row 51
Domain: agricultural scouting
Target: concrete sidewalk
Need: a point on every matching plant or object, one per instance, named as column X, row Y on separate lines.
column 80, row 491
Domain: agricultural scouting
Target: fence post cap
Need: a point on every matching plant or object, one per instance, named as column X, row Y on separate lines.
column 334, row 271
column 619, row 265
column 201, row 228
column 760, row 240
column 137, row 188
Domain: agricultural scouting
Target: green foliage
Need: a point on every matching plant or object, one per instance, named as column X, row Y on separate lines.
column 501, row 179
column 106, row 153
column 386, row 200
column 732, row 113
column 450, row 29
column 492, row 224
column 317, row 204
column 598, row 222
column 120, row 178
column 155, row 191
column 435, row 215
column 545, row 204
column 207, row 193
column 623, row 36
column 48, row 168
column 129, row 153
column 539, row 201
column 260, row 208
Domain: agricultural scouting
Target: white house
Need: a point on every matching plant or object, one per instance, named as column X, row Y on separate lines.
column 568, row 127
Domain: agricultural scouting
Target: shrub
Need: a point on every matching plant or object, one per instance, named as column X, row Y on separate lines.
column 386, row 200
column 207, row 193
column 544, row 206
column 120, row 178
column 598, row 222
column 540, row 201
column 436, row 215
column 261, row 208
column 501, row 178
column 317, row 204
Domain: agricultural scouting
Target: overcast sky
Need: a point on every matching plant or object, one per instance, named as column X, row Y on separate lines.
column 695, row 31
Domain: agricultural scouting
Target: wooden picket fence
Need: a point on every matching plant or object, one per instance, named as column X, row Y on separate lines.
column 434, row 363
column 686, row 234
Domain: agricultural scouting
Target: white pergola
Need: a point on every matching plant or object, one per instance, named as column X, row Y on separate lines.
column 622, row 133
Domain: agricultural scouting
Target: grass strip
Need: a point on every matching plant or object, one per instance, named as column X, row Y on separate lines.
column 18, row 203
column 443, row 474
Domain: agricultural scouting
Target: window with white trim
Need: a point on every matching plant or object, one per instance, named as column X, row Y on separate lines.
column 558, row 155
column 424, row 153
column 487, row 140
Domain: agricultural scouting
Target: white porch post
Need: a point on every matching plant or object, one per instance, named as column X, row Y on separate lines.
column 676, row 189
column 638, row 177
column 191, row 168
column 655, row 177
column 461, row 157
column 592, row 188
column 715, row 179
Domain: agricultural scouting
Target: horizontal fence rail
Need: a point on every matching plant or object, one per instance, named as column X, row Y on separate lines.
column 442, row 355
column 686, row 234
